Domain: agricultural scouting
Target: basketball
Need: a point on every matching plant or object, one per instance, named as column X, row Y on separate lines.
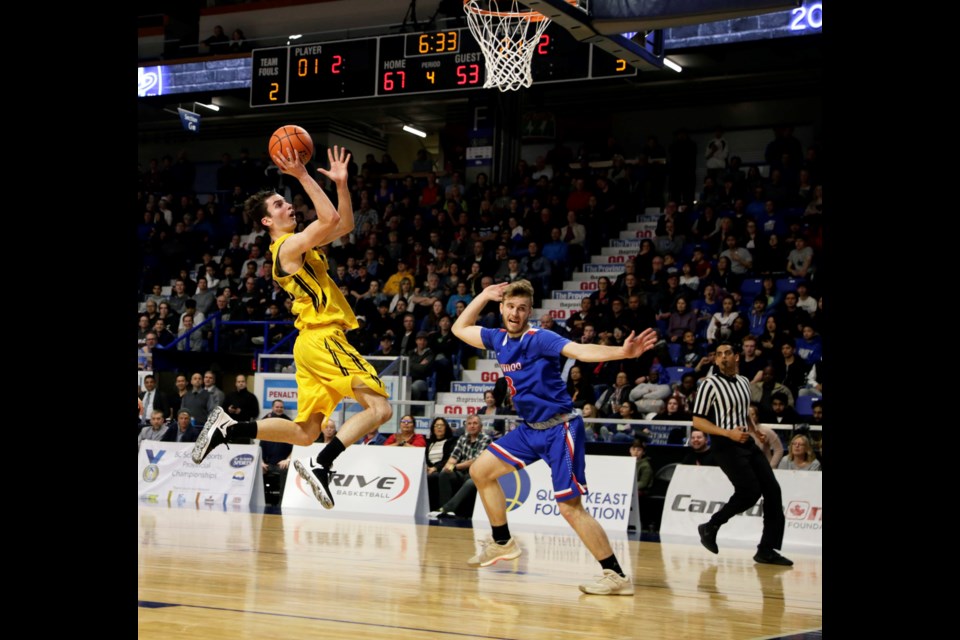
column 291, row 136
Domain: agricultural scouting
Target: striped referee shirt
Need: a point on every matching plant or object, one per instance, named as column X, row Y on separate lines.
column 723, row 400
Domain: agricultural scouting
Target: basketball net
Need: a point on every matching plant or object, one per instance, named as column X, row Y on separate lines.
column 508, row 37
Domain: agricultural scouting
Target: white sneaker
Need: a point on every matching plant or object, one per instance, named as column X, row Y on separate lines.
column 319, row 480
column 610, row 583
column 492, row 553
column 214, row 433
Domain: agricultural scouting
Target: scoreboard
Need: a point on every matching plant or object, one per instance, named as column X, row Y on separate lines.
column 412, row 63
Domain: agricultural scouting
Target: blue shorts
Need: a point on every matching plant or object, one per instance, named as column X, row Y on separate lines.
column 561, row 447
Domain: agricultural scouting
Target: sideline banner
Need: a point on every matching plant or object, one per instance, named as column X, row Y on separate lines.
column 697, row 492
column 366, row 479
column 611, row 481
column 228, row 478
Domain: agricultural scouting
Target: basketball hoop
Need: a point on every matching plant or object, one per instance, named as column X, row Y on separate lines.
column 507, row 38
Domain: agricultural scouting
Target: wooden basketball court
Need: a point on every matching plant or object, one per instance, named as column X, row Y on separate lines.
column 215, row 574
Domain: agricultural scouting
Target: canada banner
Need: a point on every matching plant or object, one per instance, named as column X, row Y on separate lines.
column 371, row 480
column 695, row 493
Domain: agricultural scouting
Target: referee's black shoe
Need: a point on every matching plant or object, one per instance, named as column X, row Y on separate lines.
column 769, row 556
column 708, row 537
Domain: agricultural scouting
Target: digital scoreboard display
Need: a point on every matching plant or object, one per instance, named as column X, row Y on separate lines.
column 412, row 63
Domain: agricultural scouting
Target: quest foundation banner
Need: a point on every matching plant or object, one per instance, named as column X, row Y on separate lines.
column 366, row 479
column 227, row 478
column 612, row 497
column 695, row 493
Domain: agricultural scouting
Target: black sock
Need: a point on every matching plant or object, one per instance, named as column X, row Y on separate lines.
column 501, row 534
column 612, row 564
column 242, row 430
column 330, row 453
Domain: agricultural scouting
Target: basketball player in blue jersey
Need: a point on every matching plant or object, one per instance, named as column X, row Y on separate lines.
column 328, row 367
column 550, row 430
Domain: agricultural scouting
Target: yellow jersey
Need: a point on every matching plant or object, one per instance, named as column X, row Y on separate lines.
column 317, row 300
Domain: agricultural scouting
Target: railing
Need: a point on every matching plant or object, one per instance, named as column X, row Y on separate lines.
column 214, row 322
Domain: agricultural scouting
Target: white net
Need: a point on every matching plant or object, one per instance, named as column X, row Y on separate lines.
column 508, row 34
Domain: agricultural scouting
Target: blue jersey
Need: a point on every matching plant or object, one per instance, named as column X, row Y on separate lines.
column 531, row 365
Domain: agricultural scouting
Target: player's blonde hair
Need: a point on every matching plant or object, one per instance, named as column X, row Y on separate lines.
column 519, row 289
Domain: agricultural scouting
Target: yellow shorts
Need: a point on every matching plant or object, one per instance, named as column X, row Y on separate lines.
column 327, row 368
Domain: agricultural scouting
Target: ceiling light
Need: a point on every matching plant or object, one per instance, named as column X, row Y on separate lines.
column 212, row 107
column 670, row 64
column 414, row 131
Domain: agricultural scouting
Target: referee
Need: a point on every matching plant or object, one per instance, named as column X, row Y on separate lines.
column 720, row 409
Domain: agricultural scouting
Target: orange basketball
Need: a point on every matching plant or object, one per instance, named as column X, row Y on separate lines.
column 291, row 136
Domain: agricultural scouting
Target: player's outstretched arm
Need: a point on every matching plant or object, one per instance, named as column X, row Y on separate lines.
column 633, row 346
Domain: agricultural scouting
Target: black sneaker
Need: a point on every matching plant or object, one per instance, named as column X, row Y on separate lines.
column 769, row 556
column 708, row 537
column 319, row 480
column 213, row 434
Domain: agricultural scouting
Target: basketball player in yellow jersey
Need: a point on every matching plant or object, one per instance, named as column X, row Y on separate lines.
column 328, row 367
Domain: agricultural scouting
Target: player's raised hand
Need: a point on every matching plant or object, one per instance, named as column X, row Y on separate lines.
column 495, row 291
column 339, row 159
column 289, row 163
column 636, row 345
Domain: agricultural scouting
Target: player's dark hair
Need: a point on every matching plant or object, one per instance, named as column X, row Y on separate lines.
column 256, row 206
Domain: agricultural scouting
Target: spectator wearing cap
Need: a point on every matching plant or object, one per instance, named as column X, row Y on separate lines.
column 421, row 366
column 380, row 322
column 387, row 347
column 361, row 283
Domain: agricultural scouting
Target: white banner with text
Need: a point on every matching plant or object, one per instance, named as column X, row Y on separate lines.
column 695, row 493
column 228, row 478
column 375, row 480
column 612, row 497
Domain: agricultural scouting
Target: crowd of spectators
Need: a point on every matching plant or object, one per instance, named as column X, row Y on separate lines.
column 738, row 260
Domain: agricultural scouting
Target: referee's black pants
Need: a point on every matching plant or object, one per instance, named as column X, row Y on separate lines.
column 751, row 476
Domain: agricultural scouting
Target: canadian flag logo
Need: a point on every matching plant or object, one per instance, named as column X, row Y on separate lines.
column 797, row 509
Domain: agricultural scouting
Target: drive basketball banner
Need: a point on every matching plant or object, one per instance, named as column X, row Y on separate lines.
column 374, row 480
column 695, row 493
column 611, row 481
column 227, row 478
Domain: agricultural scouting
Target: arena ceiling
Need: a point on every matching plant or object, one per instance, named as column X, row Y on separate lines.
column 759, row 69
